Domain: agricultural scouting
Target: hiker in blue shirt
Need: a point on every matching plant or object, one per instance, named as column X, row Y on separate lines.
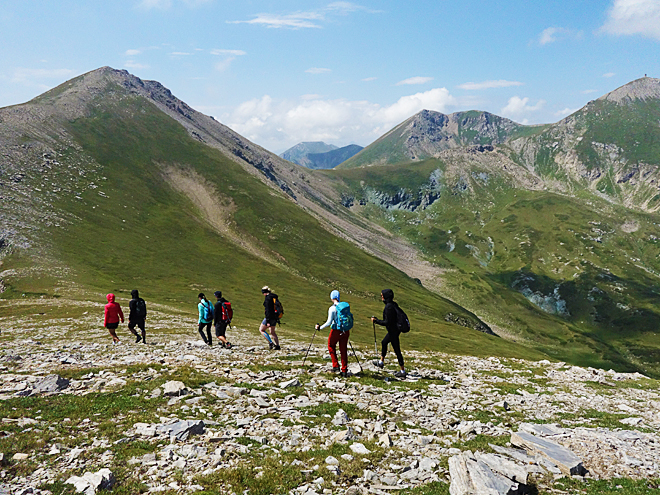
column 336, row 336
column 205, row 308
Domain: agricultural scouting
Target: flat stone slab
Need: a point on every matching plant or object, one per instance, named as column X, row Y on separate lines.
column 470, row 476
column 181, row 430
column 565, row 460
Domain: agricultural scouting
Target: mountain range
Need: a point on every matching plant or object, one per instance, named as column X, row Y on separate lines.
column 319, row 155
column 547, row 235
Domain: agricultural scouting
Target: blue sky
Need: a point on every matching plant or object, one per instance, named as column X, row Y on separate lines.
column 282, row 72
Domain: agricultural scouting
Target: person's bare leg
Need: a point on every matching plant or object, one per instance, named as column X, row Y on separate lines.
column 262, row 329
column 113, row 334
column 274, row 335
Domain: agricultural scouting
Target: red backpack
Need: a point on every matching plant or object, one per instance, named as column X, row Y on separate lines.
column 227, row 312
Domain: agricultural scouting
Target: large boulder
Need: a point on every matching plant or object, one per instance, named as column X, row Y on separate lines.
column 90, row 483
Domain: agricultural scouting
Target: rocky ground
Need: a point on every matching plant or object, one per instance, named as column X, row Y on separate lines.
column 177, row 416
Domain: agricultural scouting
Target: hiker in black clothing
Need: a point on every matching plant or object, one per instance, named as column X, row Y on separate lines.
column 221, row 320
column 137, row 316
column 392, row 337
column 271, row 318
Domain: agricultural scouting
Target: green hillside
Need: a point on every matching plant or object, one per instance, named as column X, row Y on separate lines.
column 427, row 133
column 574, row 277
column 136, row 228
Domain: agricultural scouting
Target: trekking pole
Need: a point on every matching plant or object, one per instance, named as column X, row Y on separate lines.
column 356, row 358
column 310, row 345
column 375, row 347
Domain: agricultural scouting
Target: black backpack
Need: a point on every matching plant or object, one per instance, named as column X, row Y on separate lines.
column 402, row 322
column 140, row 309
column 279, row 309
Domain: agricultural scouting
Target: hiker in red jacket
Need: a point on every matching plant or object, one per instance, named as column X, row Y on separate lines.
column 113, row 314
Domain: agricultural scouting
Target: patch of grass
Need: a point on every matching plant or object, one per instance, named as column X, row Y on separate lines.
column 481, row 443
column 618, row 486
column 275, row 474
column 433, row 488
column 592, row 418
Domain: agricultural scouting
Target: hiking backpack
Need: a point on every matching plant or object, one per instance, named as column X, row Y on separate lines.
column 279, row 309
column 207, row 313
column 344, row 317
column 402, row 323
column 140, row 309
column 227, row 312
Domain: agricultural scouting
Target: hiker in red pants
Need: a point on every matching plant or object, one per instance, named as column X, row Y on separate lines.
column 336, row 336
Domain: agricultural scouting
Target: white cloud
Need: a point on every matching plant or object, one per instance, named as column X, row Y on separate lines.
column 548, row 36
column 228, row 57
column 132, row 64
column 368, row 79
column 630, row 17
column 279, row 124
column 310, row 97
column 552, row 34
column 415, row 80
column 609, row 74
column 132, row 53
column 179, row 54
column 235, row 53
column 518, row 107
column 589, row 91
column 318, row 70
column 308, row 19
column 501, row 83
column 292, row 21
column 566, row 111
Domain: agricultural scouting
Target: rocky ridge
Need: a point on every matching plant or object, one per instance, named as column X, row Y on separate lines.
column 207, row 412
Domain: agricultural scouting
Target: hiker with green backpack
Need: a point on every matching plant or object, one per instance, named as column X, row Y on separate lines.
column 206, row 311
column 340, row 321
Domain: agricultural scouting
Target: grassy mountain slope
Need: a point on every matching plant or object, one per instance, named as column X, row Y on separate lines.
column 575, row 277
column 427, row 133
column 611, row 147
column 139, row 202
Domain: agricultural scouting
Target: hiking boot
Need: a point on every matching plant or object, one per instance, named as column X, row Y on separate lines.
column 336, row 370
column 277, row 347
column 344, row 374
column 228, row 345
column 137, row 339
column 401, row 374
column 144, row 337
column 222, row 344
column 378, row 363
column 271, row 346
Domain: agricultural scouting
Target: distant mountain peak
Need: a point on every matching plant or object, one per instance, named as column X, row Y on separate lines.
column 645, row 88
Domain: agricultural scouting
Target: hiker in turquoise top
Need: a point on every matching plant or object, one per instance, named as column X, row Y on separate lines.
column 336, row 336
column 205, row 308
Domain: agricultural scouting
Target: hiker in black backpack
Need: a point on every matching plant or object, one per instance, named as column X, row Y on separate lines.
column 389, row 321
column 223, row 316
column 137, row 316
column 205, row 308
column 272, row 315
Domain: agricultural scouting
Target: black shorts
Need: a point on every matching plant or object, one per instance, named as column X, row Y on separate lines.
column 269, row 323
column 220, row 329
column 138, row 323
column 112, row 326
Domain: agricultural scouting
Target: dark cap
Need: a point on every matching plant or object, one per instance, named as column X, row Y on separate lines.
column 217, row 294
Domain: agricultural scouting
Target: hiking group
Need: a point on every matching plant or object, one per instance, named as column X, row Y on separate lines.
column 220, row 314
